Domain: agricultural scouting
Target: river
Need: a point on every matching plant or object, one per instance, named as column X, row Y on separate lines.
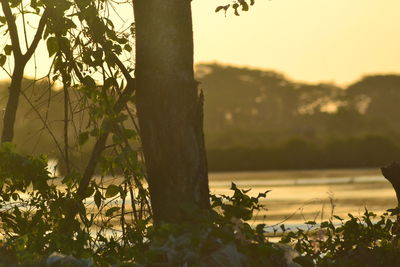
column 305, row 195
column 298, row 196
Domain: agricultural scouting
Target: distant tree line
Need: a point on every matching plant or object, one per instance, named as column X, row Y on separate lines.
column 258, row 120
column 300, row 153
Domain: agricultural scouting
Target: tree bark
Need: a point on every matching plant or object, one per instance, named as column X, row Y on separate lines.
column 12, row 103
column 170, row 110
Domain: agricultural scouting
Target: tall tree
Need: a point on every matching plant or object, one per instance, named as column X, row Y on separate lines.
column 170, row 110
column 20, row 61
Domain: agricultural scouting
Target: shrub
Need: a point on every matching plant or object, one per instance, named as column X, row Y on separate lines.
column 366, row 241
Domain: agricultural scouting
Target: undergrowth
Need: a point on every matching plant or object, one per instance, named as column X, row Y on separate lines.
column 34, row 208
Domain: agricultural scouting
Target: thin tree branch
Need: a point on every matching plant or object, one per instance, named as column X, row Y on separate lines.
column 24, row 25
column 19, row 66
column 12, row 27
column 38, row 35
column 66, row 123
column 44, row 124
column 101, row 142
column 100, row 39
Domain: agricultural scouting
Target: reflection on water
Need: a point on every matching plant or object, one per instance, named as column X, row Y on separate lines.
column 299, row 196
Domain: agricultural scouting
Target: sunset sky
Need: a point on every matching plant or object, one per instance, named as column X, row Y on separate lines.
column 310, row 40
column 307, row 40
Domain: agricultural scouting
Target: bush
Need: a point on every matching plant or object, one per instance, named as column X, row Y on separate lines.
column 34, row 209
column 366, row 241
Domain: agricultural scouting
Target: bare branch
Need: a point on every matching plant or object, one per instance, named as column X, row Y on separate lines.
column 45, row 124
column 38, row 35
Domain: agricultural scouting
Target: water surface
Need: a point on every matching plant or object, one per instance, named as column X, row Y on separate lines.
column 304, row 195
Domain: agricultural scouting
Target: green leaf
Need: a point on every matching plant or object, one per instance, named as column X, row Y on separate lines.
column 128, row 48
column 89, row 191
column 122, row 40
column 83, row 137
column 235, row 7
column 325, row 224
column 97, row 198
column 338, row 217
column 89, row 82
column 219, row 8
column 34, row 4
column 225, row 8
column 8, row 49
column 14, row 3
column 129, row 133
column 245, row 6
column 260, row 228
column 112, row 190
column 87, row 58
column 3, row 59
column 52, row 46
column 117, row 49
column 15, row 196
column 110, row 211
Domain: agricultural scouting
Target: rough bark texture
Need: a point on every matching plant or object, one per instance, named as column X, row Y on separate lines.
column 170, row 109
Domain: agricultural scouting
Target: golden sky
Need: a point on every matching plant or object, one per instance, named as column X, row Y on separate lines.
column 310, row 40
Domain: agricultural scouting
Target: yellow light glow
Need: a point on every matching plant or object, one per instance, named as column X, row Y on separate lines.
column 331, row 41
column 306, row 39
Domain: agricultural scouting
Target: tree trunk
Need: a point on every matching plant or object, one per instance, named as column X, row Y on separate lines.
column 20, row 61
column 170, row 110
column 12, row 103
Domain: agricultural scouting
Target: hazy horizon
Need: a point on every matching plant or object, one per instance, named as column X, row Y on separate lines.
column 250, row 67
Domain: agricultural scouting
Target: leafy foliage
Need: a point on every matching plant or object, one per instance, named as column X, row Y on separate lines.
column 114, row 224
column 34, row 207
column 366, row 241
column 34, row 214
column 34, row 210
